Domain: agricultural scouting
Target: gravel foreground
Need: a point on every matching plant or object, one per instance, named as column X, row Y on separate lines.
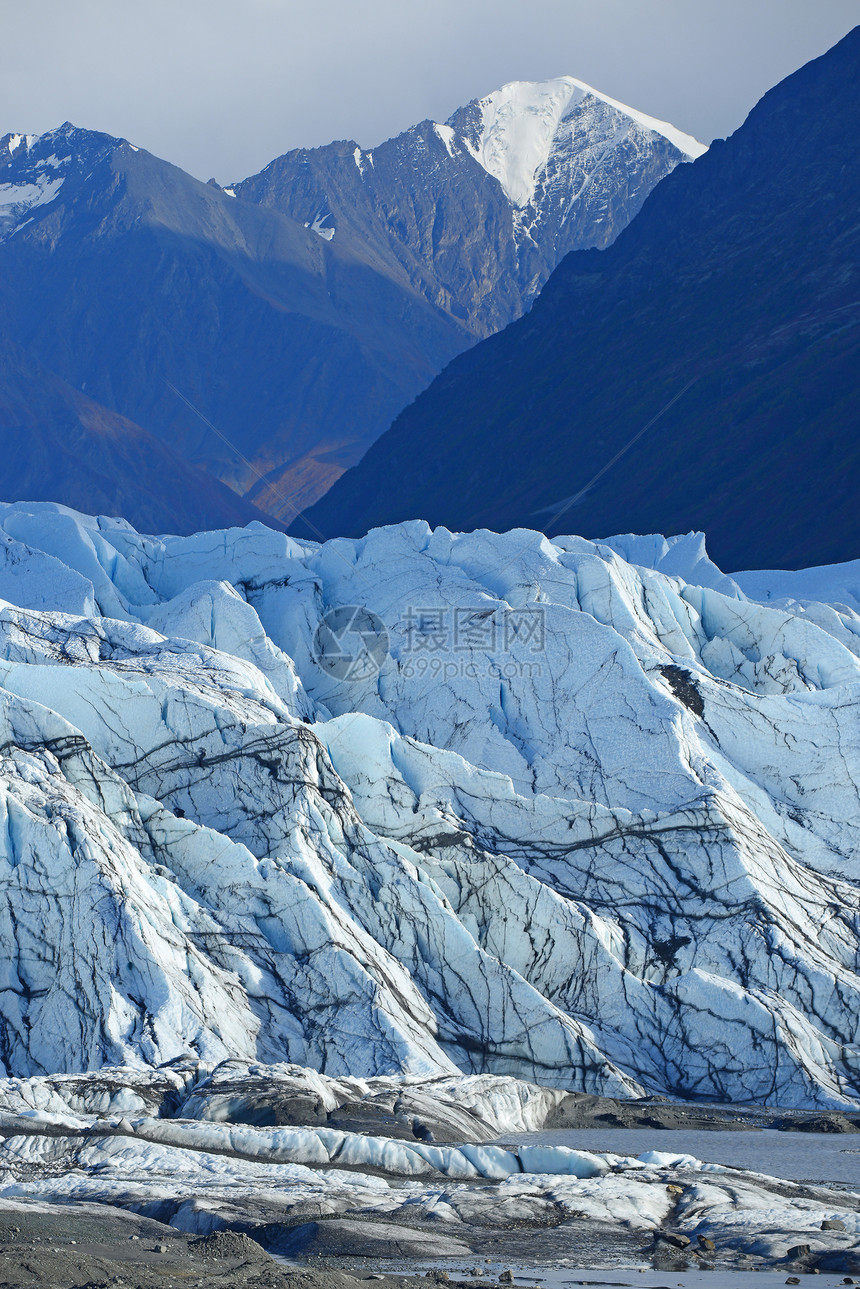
column 87, row 1248
column 92, row 1246
column 76, row 1189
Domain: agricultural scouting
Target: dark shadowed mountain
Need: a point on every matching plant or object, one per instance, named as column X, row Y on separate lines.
column 301, row 310
column 59, row 445
column 741, row 274
column 125, row 273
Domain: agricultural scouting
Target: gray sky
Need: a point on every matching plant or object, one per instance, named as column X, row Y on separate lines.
column 222, row 86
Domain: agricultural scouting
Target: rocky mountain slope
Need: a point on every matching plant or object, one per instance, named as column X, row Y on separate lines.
column 542, row 809
column 134, row 275
column 57, row 442
column 479, row 210
column 299, row 311
column 741, row 276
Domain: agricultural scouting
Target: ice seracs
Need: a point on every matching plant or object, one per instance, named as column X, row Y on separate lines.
column 591, row 824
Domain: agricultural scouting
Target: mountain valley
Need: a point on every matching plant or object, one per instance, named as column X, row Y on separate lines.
column 401, row 877
column 299, row 310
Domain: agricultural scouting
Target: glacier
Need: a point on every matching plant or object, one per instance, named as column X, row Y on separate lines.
column 592, row 825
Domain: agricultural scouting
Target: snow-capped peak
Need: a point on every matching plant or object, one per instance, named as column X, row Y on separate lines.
column 34, row 167
column 686, row 143
column 519, row 122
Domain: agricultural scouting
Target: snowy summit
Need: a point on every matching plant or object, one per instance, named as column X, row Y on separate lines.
column 523, row 124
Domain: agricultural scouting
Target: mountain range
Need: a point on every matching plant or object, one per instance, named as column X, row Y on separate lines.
column 702, row 372
column 337, row 877
column 267, row 332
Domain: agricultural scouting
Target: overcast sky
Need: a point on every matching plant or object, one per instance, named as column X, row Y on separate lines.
column 222, row 86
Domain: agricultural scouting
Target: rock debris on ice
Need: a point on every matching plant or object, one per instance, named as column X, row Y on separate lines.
column 615, row 854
